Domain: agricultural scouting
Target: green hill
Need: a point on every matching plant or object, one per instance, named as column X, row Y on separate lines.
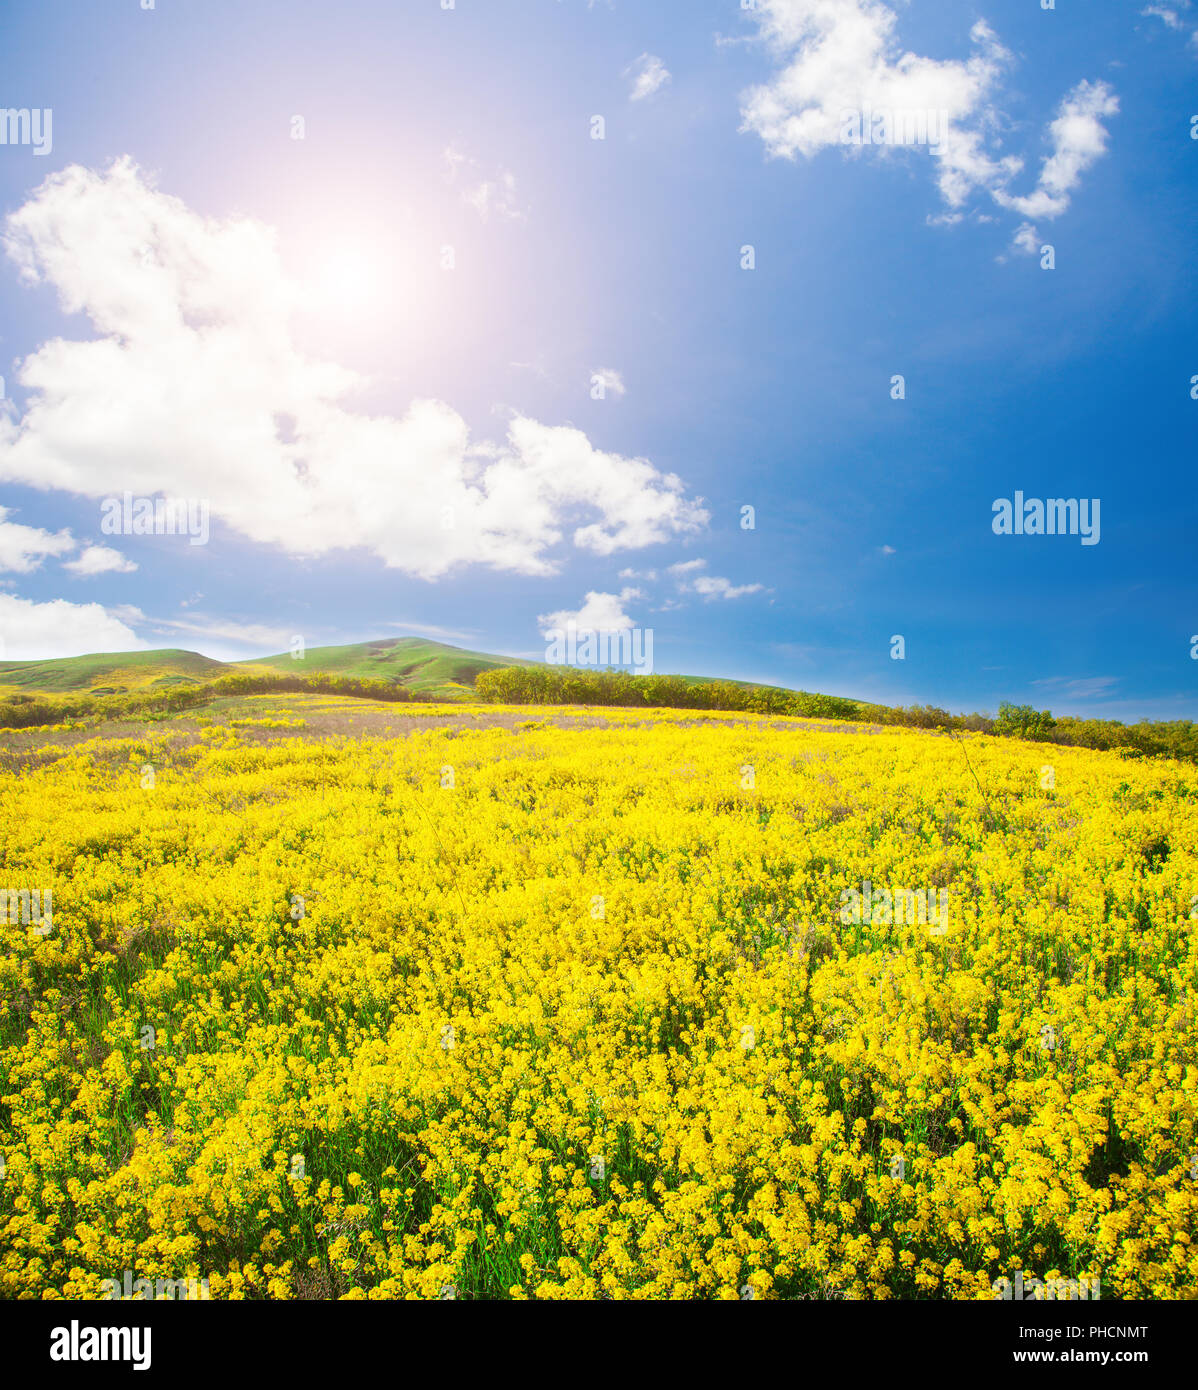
column 103, row 672
column 428, row 669
column 424, row 667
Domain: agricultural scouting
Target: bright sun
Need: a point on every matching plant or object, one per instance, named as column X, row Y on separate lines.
column 347, row 281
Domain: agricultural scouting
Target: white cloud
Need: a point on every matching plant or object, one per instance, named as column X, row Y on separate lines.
column 258, row 636
column 1027, row 239
column 1171, row 17
column 708, row 586
column 100, row 559
column 649, row 75
column 839, row 56
column 610, row 379
column 194, row 388
column 1078, row 139
column 431, row 630
column 1079, row 688
column 23, row 548
column 32, row 631
column 599, row 613
column 496, row 194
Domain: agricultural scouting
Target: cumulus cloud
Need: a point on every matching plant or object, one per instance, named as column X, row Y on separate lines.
column 23, row 548
column 690, row 579
column 649, row 75
column 835, row 57
column 100, row 559
column 32, row 631
column 195, row 388
column 1078, row 139
column 599, row 613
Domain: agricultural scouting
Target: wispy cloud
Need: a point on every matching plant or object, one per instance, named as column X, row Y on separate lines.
column 1086, row 687
column 262, row 637
column 429, row 630
column 492, row 195
column 708, row 586
column 1172, row 17
column 649, row 75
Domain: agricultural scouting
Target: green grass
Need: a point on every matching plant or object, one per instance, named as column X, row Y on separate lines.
column 113, row 670
column 427, row 668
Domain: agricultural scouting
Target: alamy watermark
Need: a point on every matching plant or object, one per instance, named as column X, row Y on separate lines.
column 1057, row 516
column 84, row 1343
column 28, row 907
column 27, row 127
column 130, row 1287
column 1040, row 1290
column 155, row 516
column 623, row 647
column 893, row 125
column 884, row 907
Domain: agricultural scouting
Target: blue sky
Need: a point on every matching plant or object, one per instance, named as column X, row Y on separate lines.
column 372, row 352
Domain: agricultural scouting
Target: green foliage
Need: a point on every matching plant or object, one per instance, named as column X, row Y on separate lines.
column 410, row 668
column 431, row 668
column 1022, row 721
column 26, row 711
column 567, row 685
column 80, row 673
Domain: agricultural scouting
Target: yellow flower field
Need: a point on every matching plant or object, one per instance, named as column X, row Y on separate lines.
column 576, row 1009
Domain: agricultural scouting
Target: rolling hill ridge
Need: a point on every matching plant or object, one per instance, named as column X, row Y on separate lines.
column 424, row 667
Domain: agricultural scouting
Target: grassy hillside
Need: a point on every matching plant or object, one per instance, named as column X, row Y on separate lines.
column 423, row 666
column 426, row 668
column 102, row 672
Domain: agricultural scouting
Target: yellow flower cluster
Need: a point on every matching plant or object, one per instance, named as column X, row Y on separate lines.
column 574, row 1008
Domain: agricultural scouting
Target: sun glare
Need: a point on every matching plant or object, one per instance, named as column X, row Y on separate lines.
column 349, row 280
